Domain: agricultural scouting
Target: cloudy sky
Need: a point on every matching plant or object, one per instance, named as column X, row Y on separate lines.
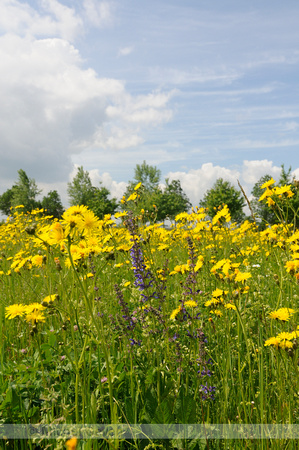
column 201, row 89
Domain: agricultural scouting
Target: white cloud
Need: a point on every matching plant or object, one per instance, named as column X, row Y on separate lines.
column 231, row 93
column 221, row 76
column 115, row 138
column 291, row 126
column 51, row 107
column 116, row 188
column 98, row 13
column 55, row 19
column 270, row 57
column 197, row 181
column 65, row 21
column 249, row 143
column 143, row 109
column 125, row 51
column 252, row 171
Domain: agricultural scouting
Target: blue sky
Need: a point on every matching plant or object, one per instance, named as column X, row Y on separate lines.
column 201, row 89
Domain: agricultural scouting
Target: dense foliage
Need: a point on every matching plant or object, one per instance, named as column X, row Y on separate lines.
column 24, row 192
column 153, row 201
column 267, row 213
column 224, row 193
column 82, row 192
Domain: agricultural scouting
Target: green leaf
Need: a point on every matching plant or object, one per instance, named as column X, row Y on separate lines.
column 185, row 408
column 151, row 404
column 163, row 413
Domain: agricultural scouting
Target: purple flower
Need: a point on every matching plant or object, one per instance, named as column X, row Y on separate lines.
column 133, row 342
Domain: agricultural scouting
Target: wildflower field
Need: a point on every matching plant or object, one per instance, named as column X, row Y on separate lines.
column 124, row 321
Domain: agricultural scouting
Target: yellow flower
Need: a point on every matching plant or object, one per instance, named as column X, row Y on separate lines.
column 199, row 264
column 290, row 266
column 50, row 298
column 34, row 307
column 282, row 190
column 217, row 312
column 272, row 341
column 180, row 269
column 230, row 306
column 268, row 183
column 285, row 344
column 266, row 194
column 163, row 246
column 282, row 314
column 78, row 210
column 217, row 293
column 88, row 223
column 276, row 315
column 212, row 302
column 137, row 186
column 71, row 444
column 226, row 267
column 285, row 336
column 294, row 237
column 190, row 303
column 182, row 216
column 175, row 312
column 218, row 265
column 270, row 202
column 120, row 214
column 295, row 334
column 16, row 310
column 242, row 277
column 35, row 316
column 132, row 197
column 37, row 260
column 224, row 212
column 56, row 234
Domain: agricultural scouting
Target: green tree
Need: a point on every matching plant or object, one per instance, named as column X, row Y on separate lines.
column 52, row 205
column 82, row 192
column 172, row 201
column 148, row 175
column 100, row 203
column 264, row 215
column 223, row 192
column 25, row 192
column 150, row 192
column 288, row 209
column 80, row 189
column 290, row 206
column 6, row 201
column 285, row 176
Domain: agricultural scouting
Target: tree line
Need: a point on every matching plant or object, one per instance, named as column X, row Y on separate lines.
column 154, row 201
column 150, row 199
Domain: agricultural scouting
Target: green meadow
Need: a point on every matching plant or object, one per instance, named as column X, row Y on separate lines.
column 121, row 321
